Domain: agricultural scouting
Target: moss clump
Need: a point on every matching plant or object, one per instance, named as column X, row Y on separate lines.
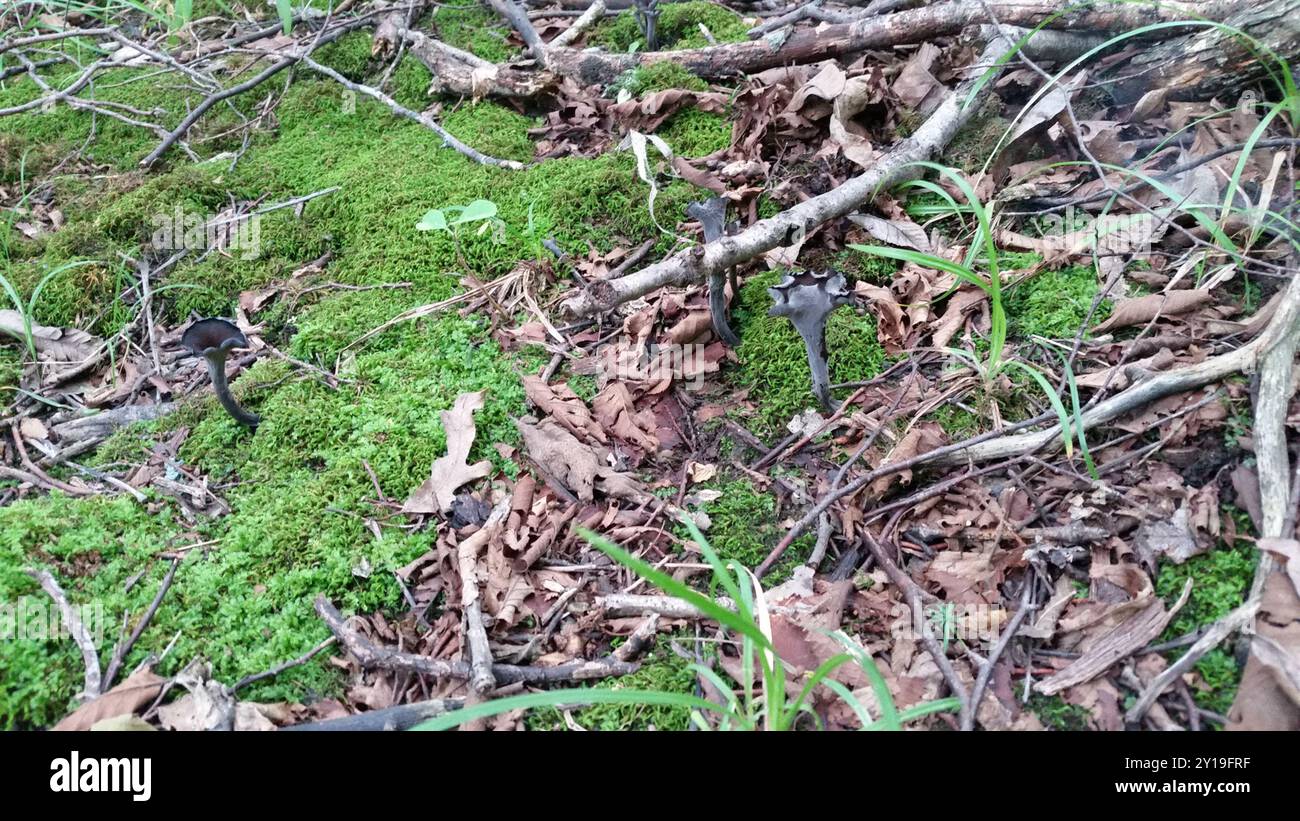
column 410, row 83
column 974, row 143
column 743, row 528
column 473, row 28
column 694, row 133
column 60, row 130
column 678, row 28
column 1058, row 714
column 299, row 496
column 774, row 363
column 860, row 267
column 298, row 489
column 1054, row 304
column 660, row 76
column 349, row 55
column 661, row 670
column 92, row 545
column 1221, row 579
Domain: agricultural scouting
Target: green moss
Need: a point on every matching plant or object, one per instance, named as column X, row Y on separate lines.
column 743, row 528
column 410, row 83
column 958, row 422
column 93, row 545
column 299, row 495
column 298, row 488
column 774, row 364
column 660, row 76
column 694, row 133
column 678, row 28
column 59, row 131
column 1220, row 580
column 661, row 670
column 973, row 144
column 858, row 266
column 473, row 28
column 1058, row 714
column 349, row 55
column 1053, row 304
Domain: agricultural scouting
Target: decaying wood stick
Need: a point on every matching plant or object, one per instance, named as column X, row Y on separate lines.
column 631, row 604
column 594, row 12
column 695, row 264
column 371, row 656
column 1219, row 631
column 401, row 717
column 89, row 653
column 1125, row 639
column 1277, row 504
column 481, row 680
column 904, row 28
column 454, row 74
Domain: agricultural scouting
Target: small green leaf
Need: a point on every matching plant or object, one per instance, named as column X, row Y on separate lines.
column 434, row 220
column 475, row 211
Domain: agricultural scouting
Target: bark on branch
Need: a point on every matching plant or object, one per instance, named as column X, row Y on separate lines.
column 903, row 28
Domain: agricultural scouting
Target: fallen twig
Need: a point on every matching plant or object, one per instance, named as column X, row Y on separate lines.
column 121, row 651
column 89, row 653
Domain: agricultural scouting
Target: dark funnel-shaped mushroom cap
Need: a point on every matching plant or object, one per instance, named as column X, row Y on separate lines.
column 208, row 336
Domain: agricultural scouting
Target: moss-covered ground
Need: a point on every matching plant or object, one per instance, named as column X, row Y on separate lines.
column 298, row 489
column 678, row 28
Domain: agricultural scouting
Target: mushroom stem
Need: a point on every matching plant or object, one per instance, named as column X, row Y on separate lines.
column 712, row 214
column 217, row 371
column 821, row 376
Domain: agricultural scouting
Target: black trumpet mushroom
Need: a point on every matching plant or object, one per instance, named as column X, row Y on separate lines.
column 807, row 299
column 214, row 339
column 712, row 214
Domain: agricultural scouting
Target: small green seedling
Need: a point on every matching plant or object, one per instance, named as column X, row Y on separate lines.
column 449, row 217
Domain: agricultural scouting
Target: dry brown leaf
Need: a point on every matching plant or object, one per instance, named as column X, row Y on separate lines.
column 451, row 471
column 55, row 344
column 1139, row 311
column 564, row 406
column 915, row 85
column 901, row 232
column 858, row 94
column 139, row 689
column 616, row 411
column 1289, row 550
column 954, row 316
column 890, row 328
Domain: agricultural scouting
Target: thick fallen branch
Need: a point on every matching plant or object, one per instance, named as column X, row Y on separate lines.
column 904, row 28
column 401, row 717
column 371, row 656
column 1244, row 359
column 695, row 264
column 460, row 73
